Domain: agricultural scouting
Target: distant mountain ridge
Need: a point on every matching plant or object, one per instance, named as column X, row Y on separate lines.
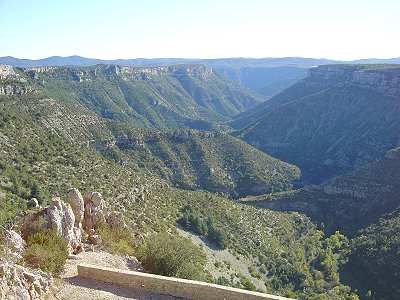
column 76, row 60
column 265, row 76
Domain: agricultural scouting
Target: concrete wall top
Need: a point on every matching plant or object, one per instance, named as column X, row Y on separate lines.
column 176, row 287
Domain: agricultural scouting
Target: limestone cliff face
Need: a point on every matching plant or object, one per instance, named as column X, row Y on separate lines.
column 11, row 83
column 125, row 72
column 6, row 71
column 14, row 89
column 384, row 79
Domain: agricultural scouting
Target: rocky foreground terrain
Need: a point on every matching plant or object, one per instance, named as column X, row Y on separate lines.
column 74, row 221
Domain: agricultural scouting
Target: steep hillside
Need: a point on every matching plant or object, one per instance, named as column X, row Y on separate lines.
column 339, row 118
column 174, row 96
column 373, row 266
column 348, row 202
column 286, row 250
column 194, row 159
column 365, row 205
column 188, row 159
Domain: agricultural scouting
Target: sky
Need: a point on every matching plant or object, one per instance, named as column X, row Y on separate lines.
column 110, row 29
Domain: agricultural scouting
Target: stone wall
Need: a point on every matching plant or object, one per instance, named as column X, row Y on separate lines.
column 188, row 289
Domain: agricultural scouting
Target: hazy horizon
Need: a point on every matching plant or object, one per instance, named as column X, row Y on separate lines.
column 201, row 58
column 336, row 30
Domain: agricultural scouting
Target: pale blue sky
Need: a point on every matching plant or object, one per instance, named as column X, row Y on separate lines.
column 109, row 29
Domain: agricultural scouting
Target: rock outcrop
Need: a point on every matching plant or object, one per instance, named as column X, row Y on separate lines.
column 95, row 214
column 385, row 78
column 18, row 282
column 60, row 217
column 75, row 199
column 11, row 83
column 7, row 71
column 14, row 244
column 14, row 89
column 75, row 221
column 125, row 72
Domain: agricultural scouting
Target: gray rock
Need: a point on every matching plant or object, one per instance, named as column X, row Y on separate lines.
column 61, row 218
column 14, row 245
column 75, row 199
column 95, row 213
column 20, row 283
column 33, row 203
column 58, row 216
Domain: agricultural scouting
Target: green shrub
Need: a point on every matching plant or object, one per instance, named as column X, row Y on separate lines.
column 222, row 280
column 253, row 272
column 170, row 255
column 193, row 220
column 216, row 235
column 247, row 284
column 117, row 240
column 46, row 250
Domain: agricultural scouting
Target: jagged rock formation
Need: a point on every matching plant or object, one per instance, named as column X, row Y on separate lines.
column 60, row 217
column 11, row 83
column 331, row 122
column 384, row 79
column 94, row 214
column 75, row 221
column 14, row 245
column 125, row 72
column 75, row 199
column 18, row 282
column 7, row 72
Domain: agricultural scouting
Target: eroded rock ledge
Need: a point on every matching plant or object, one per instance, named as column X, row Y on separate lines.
column 382, row 78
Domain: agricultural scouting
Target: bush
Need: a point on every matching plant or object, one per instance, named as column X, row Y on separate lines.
column 170, row 255
column 117, row 240
column 47, row 251
column 247, row 284
column 195, row 222
column 216, row 235
column 223, row 281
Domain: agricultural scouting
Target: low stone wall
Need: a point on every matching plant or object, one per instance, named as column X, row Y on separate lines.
column 188, row 289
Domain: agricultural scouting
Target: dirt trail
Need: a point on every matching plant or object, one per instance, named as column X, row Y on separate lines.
column 71, row 287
